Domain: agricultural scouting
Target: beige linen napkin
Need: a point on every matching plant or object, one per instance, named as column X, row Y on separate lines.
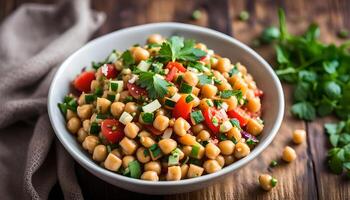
column 33, row 41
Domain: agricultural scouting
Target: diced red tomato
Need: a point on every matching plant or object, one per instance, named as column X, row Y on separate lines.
column 258, row 93
column 111, row 71
column 112, row 130
column 136, row 91
column 170, row 76
column 153, row 130
column 182, row 108
column 240, row 115
column 177, row 65
column 211, row 113
column 83, row 81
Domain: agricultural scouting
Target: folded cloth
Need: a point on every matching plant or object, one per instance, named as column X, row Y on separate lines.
column 33, row 41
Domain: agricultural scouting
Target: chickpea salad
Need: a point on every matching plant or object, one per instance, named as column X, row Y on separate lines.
column 168, row 110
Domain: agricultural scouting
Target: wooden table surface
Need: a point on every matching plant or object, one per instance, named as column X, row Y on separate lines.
column 307, row 177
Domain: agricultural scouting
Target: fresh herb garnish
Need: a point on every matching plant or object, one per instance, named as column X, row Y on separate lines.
column 226, row 94
column 127, row 58
column 176, row 48
column 273, row 163
column 155, row 86
column 204, row 79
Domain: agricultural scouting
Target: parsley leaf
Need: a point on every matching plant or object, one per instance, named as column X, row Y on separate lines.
column 204, row 79
column 176, row 48
column 304, row 110
column 127, row 58
column 154, row 84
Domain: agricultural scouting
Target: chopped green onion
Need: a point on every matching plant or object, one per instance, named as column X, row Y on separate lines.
column 222, row 137
column 101, row 116
column 189, row 98
column 273, row 182
column 185, row 88
column 273, row 163
column 89, row 98
column 95, row 128
column 114, row 86
column 135, row 169
column 147, row 117
column 155, row 151
column 218, row 103
column 235, row 123
column 98, row 92
column 173, row 159
column 215, row 121
column 63, row 108
column 111, row 97
column 169, row 103
column 197, row 117
column 209, row 102
column 195, row 151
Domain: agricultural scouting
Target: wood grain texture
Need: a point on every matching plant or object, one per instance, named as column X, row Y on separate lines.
column 306, row 178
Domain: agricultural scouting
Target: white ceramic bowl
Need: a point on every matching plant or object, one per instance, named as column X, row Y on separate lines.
column 98, row 49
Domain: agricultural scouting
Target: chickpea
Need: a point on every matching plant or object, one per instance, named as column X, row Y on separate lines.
column 254, row 104
column 205, row 103
column 167, row 145
column 299, row 136
column 70, row 114
column 81, row 99
column 131, row 107
column 181, row 126
column 209, row 91
column 211, row 151
column 184, row 170
column 241, row 68
column 221, row 160
column 153, row 166
column 84, row 111
column 172, row 90
column 203, row 135
column 155, row 39
column 232, row 102
column 229, row 159
column 254, row 127
column 196, row 129
column 161, row 122
column 73, row 125
column 211, row 166
column 86, row 125
column 147, row 141
column 201, row 46
column 140, row 54
column 172, row 122
column 81, row 135
column 160, row 111
column 112, row 162
column 128, row 146
column 131, row 130
column 123, row 95
column 144, row 134
column 224, row 65
column 150, row 176
column 224, row 85
column 126, row 160
column 141, row 155
column 226, row 147
column 289, row 154
column 194, row 171
column 187, row 139
column 90, row 143
column 195, row 91
column 186, row 150
column 191, row 78
column 239, row 84
column 117, row 108
column 241, row 150
column 117, row 152
column 174, row 173
column 94, row 85
column 267, row 182
column 100, row 153
column 102, row 105
column 234, row 133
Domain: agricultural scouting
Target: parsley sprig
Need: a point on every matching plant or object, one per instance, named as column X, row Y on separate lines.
column 320, row 73
column 177, row 48
column 154, row 84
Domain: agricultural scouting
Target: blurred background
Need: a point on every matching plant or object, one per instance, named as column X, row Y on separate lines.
column 308, row 178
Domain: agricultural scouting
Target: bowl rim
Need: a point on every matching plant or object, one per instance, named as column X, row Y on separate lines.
column 94, row 168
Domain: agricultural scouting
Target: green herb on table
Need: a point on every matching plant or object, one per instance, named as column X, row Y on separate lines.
column 320, row 73
column 196, row 15
column 244, row 15
column 273, row 163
